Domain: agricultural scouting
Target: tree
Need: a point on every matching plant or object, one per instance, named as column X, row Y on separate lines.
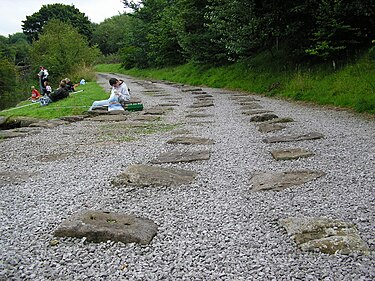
column 136, row 46
column 8, row 81
column 151, row 39
column 168, row 32
column 341, row 25
column 165, row 49
column 235, row 24
column 248, row 27
column 33, row 25
column 6, row 50
column 21, row 46
column 110, row 34
column 62, row 53
column 197, row 41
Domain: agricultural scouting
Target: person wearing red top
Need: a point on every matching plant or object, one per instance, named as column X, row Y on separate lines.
column 35, row 95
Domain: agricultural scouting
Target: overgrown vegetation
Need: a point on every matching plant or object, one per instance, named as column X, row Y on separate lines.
column 352, row 86
column 216, row 32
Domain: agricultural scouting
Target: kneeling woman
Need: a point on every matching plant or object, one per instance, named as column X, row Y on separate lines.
column 119, row 88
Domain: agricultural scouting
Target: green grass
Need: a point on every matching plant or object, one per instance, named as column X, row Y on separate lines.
column 352, row 86
column 115, row 68
column 235, row 77
column 75, row 104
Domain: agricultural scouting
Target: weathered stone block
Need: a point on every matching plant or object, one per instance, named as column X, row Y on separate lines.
column 182, row 156
column 325, row 235
column 263, row 117
column 290, row 154
column 99, row 226
column 255, row 111
column 199, row 115
column 202, row 104
column 280, row 181
column 190, row 140
column 309, row 136
column 144, row 175
column 109, row 118
column 270, row 127
column 251, row 106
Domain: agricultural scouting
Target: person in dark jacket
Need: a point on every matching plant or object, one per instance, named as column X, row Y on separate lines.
column 43, row 76
column 47, row 90
column 70, row 85
column 61, row 93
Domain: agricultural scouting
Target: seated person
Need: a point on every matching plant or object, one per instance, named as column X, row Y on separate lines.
column 119, row 89
column 35, row 95
column 47, row 90
column 70, row 85
column 60, row 93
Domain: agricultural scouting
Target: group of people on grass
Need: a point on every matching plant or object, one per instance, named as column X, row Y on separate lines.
column 46, row 95
column 120, row 93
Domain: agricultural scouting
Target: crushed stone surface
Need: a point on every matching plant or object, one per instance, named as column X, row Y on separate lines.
column 216, row 228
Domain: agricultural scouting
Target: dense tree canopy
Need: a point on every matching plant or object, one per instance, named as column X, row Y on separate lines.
column 110, row 34
column 33, row 25
column 6, row 50
column 166, row 32
column 21, row 48
column 15, row 48
column 195, row 38
column 151, row 37
column 8, row 77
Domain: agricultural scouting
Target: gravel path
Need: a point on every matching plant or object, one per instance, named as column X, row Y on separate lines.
column 213, row 229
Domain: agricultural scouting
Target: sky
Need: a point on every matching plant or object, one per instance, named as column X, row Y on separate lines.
column 13, row 12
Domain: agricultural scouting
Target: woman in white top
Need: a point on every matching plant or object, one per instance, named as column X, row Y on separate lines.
column 119, row 92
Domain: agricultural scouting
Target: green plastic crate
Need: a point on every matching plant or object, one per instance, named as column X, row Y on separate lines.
column 134, row 107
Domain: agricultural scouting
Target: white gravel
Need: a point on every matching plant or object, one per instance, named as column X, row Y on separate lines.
column 213, row 229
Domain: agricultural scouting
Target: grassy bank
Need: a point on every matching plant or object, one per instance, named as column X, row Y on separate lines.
column 75, row 104
column 352, row 86
column 26, row 79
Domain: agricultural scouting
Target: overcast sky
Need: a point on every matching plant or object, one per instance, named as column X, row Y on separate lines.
column 13, row 12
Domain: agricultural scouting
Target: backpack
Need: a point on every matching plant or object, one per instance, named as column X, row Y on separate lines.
column 45, row 101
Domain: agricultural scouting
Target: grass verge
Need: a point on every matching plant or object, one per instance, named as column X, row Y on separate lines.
column 352, row 86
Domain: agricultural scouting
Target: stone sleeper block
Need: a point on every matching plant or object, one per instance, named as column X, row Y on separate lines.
column 182, row 156
column 279, row 181
column 99, row 226
column 145, row 175
column 291, row 153
column 325, row 235
column 289, row 138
